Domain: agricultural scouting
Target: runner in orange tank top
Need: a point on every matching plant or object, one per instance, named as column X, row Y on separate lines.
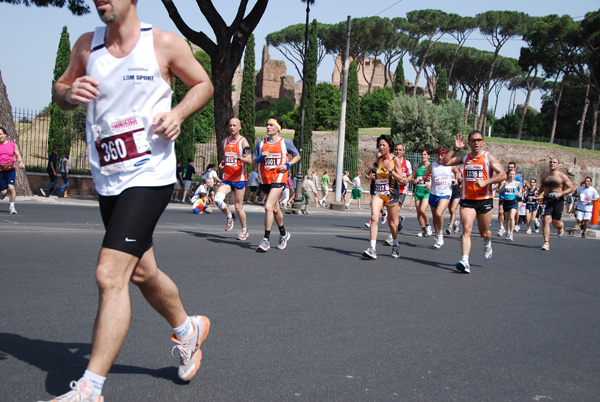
column 271, row 154
column 481, row 171
column 237, row 154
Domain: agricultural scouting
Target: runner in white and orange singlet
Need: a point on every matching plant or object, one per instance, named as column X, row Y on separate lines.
column 481, row 171
column 237, row 154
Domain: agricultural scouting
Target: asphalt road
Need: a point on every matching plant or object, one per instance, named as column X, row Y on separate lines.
column 314, row 322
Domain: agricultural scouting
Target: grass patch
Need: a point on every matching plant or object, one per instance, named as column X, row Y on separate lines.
column 579, row 152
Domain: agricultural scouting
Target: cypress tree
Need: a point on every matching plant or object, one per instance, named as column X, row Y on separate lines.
column 399, row 81
column 247, row 111
column 352, row 120
column 57, row 133
column 312, row 58
column 441, row 88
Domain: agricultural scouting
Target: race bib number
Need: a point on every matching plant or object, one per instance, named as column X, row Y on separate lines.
column 421, row 181
column 473, row 172
column 122, row 144
column 382, row 187
column 442, row 181
column 231, row 159
column 510, row 190
column 272, row 161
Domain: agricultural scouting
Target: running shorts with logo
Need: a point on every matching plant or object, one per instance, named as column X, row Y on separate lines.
column 480, row 206
column 240, row 185
column 130, row 217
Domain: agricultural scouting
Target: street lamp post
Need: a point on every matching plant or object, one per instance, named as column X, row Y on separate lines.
column 298, row 197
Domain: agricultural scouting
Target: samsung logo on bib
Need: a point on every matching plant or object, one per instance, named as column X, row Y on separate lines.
column 140, row 163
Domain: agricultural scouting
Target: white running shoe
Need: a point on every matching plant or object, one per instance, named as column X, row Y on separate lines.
column 546, row 246
column 487, row 250
column 517, row 228
column 439, row 242
column 384, row 219
column 509, row 236
column 429, row 231
column 370, row 253
column 81, row 391
column 449, row 230
column 389, row 241
column 43, row 192
column 283, row 241
column 501, row 231
column 368, row 224
column 230, row 222
column 395, row 252
column 561, row 232
column 12, row 210
column 264, row 245
column 463, row 266
column 528, row 231
column 456, row 226
column 190, row 355
column 243, row 235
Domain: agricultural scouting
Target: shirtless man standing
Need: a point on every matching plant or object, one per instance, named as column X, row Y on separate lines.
column 554, row 185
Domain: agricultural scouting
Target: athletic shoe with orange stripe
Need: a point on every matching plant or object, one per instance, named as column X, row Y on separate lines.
column 81, row 391
column 190, row 355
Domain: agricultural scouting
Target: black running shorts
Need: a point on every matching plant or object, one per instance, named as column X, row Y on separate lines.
column 130, row 217
column 480, row 206
column 553, row 206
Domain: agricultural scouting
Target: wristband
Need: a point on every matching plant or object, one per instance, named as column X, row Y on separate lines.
column 287, row 165
column 455, row 149
column 259, row 159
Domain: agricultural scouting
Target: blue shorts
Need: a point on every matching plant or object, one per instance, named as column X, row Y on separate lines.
column 240, row 185
column 7, row 178
column 434, row 199
column 510, row 204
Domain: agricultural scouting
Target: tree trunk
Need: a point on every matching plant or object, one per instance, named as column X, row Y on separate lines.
column 526, row 106
column 6, row 121
column 556, row 102
column 222, row 77
column 595, row 105
column 586, row 104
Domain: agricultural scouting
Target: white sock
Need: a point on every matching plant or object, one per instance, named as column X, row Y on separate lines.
column 230, row 216
column 184, row 330
column 465, row 258
column 373, row 243
column 11, row 204
column 395, row 242
column 244, row 229
column 96, row 380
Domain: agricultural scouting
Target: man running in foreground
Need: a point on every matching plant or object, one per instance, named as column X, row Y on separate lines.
column 481, row 171
column 122, row 73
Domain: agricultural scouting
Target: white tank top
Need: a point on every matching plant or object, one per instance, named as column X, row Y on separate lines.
column 441, row 179
column 123, row 150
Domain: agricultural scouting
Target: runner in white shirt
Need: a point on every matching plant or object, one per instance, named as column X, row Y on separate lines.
column 586, row 195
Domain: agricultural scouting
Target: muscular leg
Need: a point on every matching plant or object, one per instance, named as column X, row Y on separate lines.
column 376, row 206
column 12, row 194
column 438, row 215
column 239, row 205
column 113, row 273
column 272, row 209
column 467, row 217
column 546, row 227
column 159, row 290
column 501, row 215
column 393, row 218
column 420, row 216
column 484, row 221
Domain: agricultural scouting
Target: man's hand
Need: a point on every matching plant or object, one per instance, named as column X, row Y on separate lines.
column 168, row 125
column 83, row 90
column 459, row 141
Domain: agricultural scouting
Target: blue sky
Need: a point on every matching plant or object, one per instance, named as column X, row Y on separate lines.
column 30, row 35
